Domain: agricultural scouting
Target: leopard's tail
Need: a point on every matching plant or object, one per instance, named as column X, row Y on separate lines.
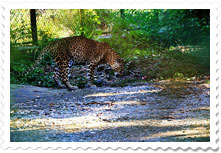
column 37, row 62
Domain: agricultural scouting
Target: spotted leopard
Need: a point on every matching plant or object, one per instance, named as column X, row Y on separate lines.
column 79, row 50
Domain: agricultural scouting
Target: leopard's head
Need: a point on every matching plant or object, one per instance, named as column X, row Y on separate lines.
column 113, row 59
column 118, row 66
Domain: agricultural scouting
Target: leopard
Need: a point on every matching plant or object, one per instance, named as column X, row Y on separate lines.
column 68, row 51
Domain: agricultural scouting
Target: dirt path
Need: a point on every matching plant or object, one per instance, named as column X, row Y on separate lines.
column 162, row 111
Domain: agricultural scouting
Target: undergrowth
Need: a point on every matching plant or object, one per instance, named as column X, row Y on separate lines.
column 169, row 64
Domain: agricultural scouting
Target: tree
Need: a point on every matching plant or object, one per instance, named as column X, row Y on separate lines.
column 33, row 26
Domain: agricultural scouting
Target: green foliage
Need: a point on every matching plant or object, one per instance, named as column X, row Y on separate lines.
column 153, row 37
column 53, row 24
column 20, row 28
column 157, row 29
column 79, row 21
column 79, row 81
column 123, row 83
column 160, row 43
column 36, row 77
column 201, row 53
column 172, row 64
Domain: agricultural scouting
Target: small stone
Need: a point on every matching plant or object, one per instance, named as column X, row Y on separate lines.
column 92, row 132
column 99, row 81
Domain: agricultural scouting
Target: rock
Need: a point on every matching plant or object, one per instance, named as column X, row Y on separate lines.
column 99, row 81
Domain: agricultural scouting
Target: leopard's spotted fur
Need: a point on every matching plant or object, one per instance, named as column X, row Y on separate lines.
column 79, row 50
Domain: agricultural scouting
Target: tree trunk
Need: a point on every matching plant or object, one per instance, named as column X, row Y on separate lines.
column 34, row 26
column 122, row 13
column 81, row 21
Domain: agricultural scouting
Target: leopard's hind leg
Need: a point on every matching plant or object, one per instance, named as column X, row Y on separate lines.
column 63, row 70
column 56, row 78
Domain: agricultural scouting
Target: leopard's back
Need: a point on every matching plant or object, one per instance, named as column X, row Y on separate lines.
column 82, row 49
column 77, row 48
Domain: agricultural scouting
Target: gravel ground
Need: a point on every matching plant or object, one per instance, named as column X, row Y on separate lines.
column 163, row 111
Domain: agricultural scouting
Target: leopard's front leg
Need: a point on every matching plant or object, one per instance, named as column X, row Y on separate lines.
column 92, row 67
column 65, row 80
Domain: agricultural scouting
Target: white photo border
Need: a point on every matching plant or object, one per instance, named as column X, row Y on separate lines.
column 114, row 4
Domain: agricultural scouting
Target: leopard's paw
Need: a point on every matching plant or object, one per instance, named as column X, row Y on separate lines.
column 72, row 88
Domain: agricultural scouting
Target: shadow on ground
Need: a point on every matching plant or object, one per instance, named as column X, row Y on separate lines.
column 149, row 112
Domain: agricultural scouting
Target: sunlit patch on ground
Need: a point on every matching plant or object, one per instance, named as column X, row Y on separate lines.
column 199, row 132
column 124, row 93
column 140, row 113
column 94, row 122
